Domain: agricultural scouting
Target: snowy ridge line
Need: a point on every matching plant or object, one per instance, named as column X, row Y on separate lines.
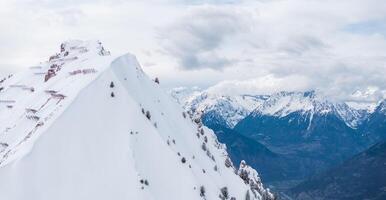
column 46, row 112
column 309, row 103
column 233, row 108
column 113, row 134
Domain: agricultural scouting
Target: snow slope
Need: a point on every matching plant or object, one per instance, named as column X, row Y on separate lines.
column 77, row 136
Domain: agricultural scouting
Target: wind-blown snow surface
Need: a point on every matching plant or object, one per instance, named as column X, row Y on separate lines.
column 68, row 138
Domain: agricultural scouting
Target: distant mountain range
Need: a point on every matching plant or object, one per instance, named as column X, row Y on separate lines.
column 315, row 132
column 297, row 133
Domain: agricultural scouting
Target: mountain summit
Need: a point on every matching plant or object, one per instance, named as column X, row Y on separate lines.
column 89, row 125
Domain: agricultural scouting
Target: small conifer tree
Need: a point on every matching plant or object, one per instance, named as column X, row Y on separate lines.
column 148, row 115
column 224, row 193
column 202, row 191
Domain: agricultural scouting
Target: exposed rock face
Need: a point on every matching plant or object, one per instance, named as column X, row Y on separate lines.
column 251, row 177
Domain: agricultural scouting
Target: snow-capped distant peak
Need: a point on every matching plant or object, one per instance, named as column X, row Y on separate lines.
column 365, row 106
column 231, row 109
column 284, row 103
column 381, row 107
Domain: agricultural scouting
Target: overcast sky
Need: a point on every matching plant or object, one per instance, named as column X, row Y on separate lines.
column 336, row 47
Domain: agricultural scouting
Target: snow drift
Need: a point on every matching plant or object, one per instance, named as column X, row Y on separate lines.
column 88, row 125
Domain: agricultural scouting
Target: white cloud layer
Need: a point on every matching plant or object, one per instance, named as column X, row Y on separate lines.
column 336, row 47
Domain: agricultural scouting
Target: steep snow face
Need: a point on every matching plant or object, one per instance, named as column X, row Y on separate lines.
column 30, row 101
column 308, row 103
column 106, row 132
column 231, row 109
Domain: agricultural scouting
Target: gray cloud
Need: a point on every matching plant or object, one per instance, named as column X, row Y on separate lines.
column 285, row 39
column 301, row 44
column 337, row 47
column 195, row 39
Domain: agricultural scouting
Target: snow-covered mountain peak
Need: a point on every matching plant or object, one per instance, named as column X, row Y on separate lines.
column 31, row 100
column 283, row 103
column 74, row 49
column 95, row 126
column 232, row 109
column 381, row 108
column 79, row 46
column 309, row 103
